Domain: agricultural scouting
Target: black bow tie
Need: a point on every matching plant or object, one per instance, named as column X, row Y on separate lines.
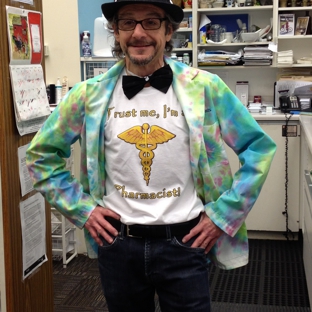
column 161, row 79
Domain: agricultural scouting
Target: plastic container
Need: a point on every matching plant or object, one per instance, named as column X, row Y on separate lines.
column 202, row 35
column 65, row 87
column 174, row 56
column 103, row 39
column 186, row 58
column 190, row 23
column 58, row 91
column 85, row 44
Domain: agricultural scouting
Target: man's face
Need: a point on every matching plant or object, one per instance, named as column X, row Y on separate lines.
column 142, row 47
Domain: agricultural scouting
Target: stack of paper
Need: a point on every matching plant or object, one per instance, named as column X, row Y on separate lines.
column 285, row 57
column 254, row 107
column 222, row 58
column 305, row 60
column 257, row 56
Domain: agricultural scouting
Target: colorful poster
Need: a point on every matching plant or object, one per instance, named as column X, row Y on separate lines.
column 24, row 35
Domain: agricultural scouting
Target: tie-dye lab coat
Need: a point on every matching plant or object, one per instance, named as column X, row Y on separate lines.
column 213, row 114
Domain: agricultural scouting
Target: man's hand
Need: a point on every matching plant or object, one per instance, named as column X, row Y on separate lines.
column 98, row 226
column 207, row 232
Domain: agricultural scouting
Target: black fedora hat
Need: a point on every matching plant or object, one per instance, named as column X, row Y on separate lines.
column 109, row 9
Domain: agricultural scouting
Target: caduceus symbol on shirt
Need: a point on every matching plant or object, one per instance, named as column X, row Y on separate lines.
column 146, row 142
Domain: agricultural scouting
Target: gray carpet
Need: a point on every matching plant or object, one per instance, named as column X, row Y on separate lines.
column 273, row 281
column 238, row 307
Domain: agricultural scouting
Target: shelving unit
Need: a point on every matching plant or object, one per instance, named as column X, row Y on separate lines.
column 300, row 44
column 63, row 238
column 258, row 15
column 91, row 63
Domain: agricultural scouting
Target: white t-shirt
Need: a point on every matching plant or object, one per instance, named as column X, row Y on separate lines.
column 147, row 159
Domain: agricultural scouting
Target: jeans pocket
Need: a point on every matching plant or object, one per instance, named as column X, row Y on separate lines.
column 106, row 244
column 177, row 241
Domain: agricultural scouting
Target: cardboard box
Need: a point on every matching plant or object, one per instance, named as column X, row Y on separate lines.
column 242, row 88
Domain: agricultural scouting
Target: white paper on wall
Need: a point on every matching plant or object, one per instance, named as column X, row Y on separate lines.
column 35, row 37
column 29, row 92
column 24, row 176
column 30, row 126
column 33, row 223
column 25, row 1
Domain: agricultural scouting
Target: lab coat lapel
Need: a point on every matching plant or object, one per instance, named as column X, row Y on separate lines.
column 98, row 93
column 191, row 96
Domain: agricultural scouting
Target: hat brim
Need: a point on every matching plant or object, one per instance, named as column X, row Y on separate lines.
column 109, row 9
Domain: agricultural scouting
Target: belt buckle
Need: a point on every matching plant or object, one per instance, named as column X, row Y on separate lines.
column 129, row 235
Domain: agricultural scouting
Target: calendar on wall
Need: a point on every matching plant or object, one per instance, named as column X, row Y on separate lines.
column 29, row 92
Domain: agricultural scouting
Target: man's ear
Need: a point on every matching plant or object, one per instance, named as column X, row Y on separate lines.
column 169, row 33
column 116, row 33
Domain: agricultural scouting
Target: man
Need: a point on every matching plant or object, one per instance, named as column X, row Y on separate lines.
column 156, row 195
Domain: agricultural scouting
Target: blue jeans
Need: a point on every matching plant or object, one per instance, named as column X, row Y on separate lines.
column 133, row 269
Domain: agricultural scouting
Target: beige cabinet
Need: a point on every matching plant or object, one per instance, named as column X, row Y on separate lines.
column 307, row 231
column 267, row 213
column 306, row 198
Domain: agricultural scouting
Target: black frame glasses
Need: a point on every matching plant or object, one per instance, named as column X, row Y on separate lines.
column 127, row 24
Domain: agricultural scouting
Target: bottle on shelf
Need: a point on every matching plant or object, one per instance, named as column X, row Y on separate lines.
column 65, row 87
column 186, row 58
column 174, row 56
column 58, row 91
column 85, row 44
column 243, row 30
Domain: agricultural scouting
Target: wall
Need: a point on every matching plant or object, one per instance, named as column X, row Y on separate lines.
column 61, row 35
column 267, row 76
column 88, row 13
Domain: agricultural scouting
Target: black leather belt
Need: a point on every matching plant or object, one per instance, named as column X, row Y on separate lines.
column 154, row 231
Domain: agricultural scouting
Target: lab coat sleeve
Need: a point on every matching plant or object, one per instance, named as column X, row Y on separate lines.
column 46, row 164
column 255, row 150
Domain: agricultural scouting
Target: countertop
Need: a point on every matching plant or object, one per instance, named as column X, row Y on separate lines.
column 275, row 116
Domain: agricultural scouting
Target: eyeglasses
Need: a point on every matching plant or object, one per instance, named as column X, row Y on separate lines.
column 147, row 24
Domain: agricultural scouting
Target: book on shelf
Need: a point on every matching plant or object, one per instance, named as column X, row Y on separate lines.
column 286, row 24
column 302, row 25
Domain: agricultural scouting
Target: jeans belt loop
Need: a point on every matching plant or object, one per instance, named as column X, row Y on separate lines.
column 128, row 232
column 122, row 232
column 168, row 233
